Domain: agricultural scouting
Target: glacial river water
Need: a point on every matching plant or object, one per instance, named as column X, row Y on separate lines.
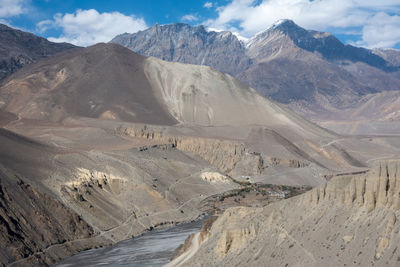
column 154, row 248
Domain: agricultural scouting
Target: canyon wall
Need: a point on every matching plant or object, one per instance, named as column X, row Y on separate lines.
column 352, row 221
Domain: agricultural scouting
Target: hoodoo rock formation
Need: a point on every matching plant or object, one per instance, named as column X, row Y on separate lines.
column 352, row 220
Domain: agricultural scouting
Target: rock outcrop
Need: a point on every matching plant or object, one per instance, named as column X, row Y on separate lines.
column 227, row 155
column 222, row 154
column 194, row 45
column 352, row 220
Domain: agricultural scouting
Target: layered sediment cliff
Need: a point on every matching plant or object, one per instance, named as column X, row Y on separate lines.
column 222, row 154
column 352, row 220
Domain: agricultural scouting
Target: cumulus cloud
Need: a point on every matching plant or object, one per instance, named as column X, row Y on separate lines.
column 10, row 8
column 189, row 17
column 87, row 27
column 208, row 5
column 251, row 16
column 13, row 8
column 382, row 30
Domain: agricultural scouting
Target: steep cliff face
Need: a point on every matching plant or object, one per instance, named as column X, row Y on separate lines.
column 229, row 156
column 222, row 154
column 352, row 220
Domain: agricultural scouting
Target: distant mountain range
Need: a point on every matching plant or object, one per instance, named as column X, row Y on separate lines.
column 194, row 45
column 312, row 72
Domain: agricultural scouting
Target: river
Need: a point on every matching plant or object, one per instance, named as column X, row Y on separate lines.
column 154, row 248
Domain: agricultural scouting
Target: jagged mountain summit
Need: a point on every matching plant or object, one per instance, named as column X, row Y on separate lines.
column 194, row 45
column 310, row 71
column 18, row 48
column 324, row 43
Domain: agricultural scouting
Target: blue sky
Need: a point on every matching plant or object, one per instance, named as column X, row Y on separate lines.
column 165, row 11
column 368, row 23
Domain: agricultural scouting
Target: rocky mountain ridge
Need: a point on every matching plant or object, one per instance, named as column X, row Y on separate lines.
column 322, row 42
column 312, row 72
column 194, row 45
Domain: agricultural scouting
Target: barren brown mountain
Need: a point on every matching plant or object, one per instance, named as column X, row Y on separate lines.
column 100, row 144
column 312, row 72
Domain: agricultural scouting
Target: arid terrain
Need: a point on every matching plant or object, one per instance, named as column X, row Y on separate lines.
column 350, row 221
column 312, row 72
column 100, row 144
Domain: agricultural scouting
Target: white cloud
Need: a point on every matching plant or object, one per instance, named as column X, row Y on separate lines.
column 382, row 30
column 251, row 16
column 10, row 8
column 44, row 25
column 3, row 21
column 208, row 5
column 87, row 27
column 189, row 17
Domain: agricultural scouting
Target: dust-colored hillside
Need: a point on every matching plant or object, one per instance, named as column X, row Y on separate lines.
column 121, row 144
column 351, row 221
column 312, row 72
column 102, row 81
column 119, row 85
column 375, row 114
